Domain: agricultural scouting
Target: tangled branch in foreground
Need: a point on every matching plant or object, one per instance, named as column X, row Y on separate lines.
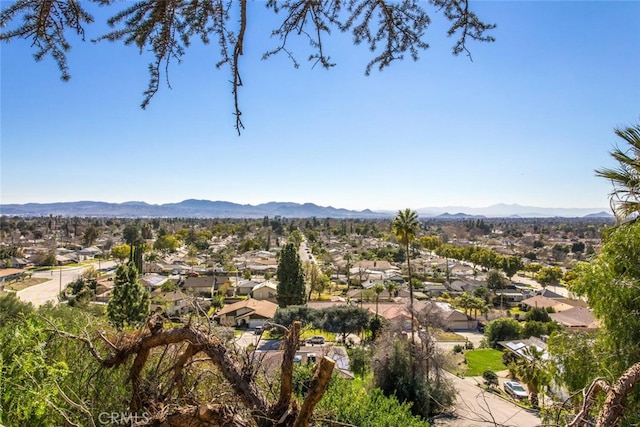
column 198, row 341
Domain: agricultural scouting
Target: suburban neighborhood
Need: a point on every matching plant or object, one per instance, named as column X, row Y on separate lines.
column 467, row 277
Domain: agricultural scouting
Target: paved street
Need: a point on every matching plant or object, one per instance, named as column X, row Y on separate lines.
column 477, row 408
column 59, row 278
column 560, row 290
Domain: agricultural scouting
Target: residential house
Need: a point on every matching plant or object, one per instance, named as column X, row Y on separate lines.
column 395, row 312
column 249, row 313
column 394, row 276
column 16, row 262
column 519, row 347
column 66, row 259
column 404, row 293
column 271, row 360
column 155, row 267
column 576, row 318
column 172, row 303
column 204, row 284
column 452, row 318
column 244, row 287
column 549, row 294
column 266, row 290
column 434, row 289
column 89, row 253
column 257, row 262
column 8, row 274
column 153, row 281
column 538, row 301
column 509, row 296
column 379, row 266
column 467, row 285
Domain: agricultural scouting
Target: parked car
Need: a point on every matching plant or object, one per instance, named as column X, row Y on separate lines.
column 316, row 339
column 515, row 390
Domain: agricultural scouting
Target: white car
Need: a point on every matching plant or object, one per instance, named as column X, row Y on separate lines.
column 515, row 390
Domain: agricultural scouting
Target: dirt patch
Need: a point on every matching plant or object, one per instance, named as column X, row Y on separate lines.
column 447, row 336
column 20, row 284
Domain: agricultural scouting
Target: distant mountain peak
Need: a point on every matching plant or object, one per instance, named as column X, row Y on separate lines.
column 189, row 208
column 503, row 210
column 200, row 208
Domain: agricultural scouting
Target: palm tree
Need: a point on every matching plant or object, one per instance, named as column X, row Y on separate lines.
column 466, row 302
column 405, row 227
column 533, row 371
column 378, row 288
column 391, row 287
column 478, row 304
column 347, row 268
column 625, row 196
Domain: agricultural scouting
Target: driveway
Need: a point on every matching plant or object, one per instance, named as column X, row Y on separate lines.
column 476, row 408
column 474, row 337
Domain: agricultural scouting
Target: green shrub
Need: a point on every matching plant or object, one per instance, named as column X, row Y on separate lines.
column 490, row 378
column 350, row 402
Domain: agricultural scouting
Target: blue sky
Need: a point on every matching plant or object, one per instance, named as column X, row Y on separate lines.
column 526, row 122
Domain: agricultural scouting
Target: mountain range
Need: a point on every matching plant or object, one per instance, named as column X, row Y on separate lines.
column 220, row 209
column 502, row 210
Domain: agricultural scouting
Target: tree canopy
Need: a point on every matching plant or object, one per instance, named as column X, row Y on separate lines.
column 390, row 29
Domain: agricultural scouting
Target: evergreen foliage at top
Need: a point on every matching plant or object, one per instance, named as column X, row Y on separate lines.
column 291, row 287
column 129, row 304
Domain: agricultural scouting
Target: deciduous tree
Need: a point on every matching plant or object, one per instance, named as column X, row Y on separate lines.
column 345, row 320
column 501, row 330
column 166, row 243
column 549, row 275
column 121, row 252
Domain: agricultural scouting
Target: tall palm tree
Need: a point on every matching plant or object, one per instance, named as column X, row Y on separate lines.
column 625, row 196
column 466, row 302
column 378, row 288
column 533, row 370
column 405, row 226
column 391, row 287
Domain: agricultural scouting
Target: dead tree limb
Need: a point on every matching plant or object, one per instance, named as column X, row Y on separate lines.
column 614, row 406
column 589, row 397
column 286, row 412
column 319, row 385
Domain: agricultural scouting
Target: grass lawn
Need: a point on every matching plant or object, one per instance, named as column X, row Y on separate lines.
column 18, row 285
column 308, row 333
column 517, row 310
column 304, row 334
column 483, row 359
